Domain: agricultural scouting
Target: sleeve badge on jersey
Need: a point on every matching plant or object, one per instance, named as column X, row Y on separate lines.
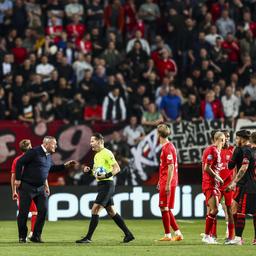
column 209, row 157
column 169, row 157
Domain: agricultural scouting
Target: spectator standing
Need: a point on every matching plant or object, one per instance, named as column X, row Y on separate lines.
column 149, row 12
column 190, row 110
column 171, row 105
column 133, row 133
column 113, row 107
column 151, row 118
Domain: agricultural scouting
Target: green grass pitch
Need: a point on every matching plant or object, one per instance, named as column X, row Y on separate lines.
column 59, row 240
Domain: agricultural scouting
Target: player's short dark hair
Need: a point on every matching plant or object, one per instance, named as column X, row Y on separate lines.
column 225, row 131
column 98, row 136
column 25, row 145
column 213, row 132
column 245, row 134
column 163, row 130
column 253, row 137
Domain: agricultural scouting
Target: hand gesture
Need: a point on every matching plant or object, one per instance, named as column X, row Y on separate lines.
column 158, row 186
column 100, row 177
column 71, row 164
column 231, row 186
column 14, row 196
column 167, row 189
column 218, row 178
column 86, row 169
column 47, row 190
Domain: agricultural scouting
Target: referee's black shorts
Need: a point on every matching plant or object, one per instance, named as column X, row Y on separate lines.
column 106, row 191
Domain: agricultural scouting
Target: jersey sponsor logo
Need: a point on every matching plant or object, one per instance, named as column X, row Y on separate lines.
column 169, row 157
column 227, row 157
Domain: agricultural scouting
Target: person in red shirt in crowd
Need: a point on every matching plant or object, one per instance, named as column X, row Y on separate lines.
column 247, row 23
column 54, row 30
column 93, row 112
column 165, row 66
column 211, row 108
column 114, row 16
column 20, row 53
column 211, row 166
column 216, row 9
column 230, row 45
column 130, row 18
column 75, row 30
column 84, row 44
column 227, row 176
column 24, row 146
column 168, row 180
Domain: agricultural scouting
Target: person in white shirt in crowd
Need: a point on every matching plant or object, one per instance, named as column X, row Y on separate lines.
column 225, row 24
column 212, row 36
column 45, row 69
column 138, row 37
column 74, row 8
column 251, row 88
column 81, row 64
column 133, row 133
column 113, row 107
column 6, row 65
column 230, row 103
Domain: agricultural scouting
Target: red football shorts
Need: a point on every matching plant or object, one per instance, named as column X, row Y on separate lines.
column 228, row 196
column 166, row 200
column 210, row 193
column 32, row 207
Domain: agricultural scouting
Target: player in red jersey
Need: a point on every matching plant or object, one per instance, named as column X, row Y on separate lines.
column 227, row 176
column 168, row 180
column 24, row 146
column 211, row 164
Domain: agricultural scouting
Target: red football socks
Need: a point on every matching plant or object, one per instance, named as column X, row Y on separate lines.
column 166, row 221
column 208, row 223
column 173, row 222
column 33, row 222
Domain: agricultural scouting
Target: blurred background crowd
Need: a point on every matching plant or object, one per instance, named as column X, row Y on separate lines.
column 124, row 61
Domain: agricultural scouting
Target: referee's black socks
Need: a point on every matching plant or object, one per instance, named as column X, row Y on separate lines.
column 93, row 224
column 121, row 224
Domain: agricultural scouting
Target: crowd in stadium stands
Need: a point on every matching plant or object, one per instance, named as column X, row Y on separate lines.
column 139, row 62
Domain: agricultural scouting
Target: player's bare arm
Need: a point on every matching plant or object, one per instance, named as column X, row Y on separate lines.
column 46, row 188
column 169, row 178
column 14, row 190
column 238, row 177
column 209, row 170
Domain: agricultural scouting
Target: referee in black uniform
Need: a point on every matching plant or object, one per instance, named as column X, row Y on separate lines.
column 31, row 180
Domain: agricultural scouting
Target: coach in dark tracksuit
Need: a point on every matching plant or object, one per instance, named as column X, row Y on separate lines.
column 31, row 179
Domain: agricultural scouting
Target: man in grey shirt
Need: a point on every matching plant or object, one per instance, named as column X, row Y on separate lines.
column 149, row 12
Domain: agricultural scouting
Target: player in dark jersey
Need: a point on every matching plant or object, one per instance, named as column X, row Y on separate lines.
column 244, row 182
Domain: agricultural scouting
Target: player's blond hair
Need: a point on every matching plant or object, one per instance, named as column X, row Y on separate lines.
column 163, row 130
column 218, row 134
